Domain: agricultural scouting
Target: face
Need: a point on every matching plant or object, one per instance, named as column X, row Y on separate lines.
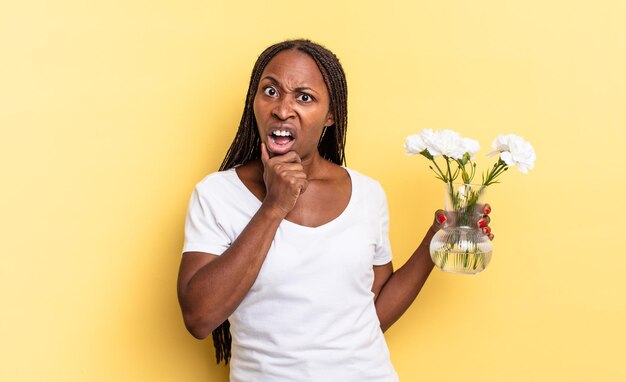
column 291, row 105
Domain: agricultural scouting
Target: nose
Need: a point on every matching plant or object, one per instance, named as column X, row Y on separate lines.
column 283, row 109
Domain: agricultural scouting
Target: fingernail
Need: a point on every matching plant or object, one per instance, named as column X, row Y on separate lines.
column 441, row 218
column 487, row 210
column 481, row 223
column 486, row 230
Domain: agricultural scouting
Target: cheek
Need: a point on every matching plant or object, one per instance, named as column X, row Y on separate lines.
column 257, row 109
column 317, row 120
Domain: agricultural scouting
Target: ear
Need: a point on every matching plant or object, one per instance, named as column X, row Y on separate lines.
column 330, row 119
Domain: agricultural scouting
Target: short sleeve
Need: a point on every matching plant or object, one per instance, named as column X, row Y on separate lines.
column 383, row 246
column 203, row 233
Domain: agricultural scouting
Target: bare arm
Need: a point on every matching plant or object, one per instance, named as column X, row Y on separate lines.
column 211, row 287
column 395, row 291
column 400, row 288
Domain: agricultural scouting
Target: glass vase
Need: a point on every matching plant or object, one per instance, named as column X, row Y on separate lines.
column 461, row 246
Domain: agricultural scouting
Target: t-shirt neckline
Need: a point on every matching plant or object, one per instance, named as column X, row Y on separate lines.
column 330, row 223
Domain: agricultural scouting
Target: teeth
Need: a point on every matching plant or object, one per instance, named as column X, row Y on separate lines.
column 281, row 133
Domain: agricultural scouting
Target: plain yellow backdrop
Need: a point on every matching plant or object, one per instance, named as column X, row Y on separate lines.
column 111, row 111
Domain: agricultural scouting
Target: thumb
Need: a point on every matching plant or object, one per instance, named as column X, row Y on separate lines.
column 440, row 220
column 265, row 156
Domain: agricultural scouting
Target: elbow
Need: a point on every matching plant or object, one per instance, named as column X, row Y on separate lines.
column 201, row 318
column 198, row 333
column 199, row 326
column 196, row 319
column 197, row 329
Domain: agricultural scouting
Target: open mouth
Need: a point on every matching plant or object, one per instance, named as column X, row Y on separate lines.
column 280, row 141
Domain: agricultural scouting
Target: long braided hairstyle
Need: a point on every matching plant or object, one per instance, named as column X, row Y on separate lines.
column 246, row 145
column 247, row 142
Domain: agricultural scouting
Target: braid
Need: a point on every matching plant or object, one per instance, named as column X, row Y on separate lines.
column 222, row 342
column 246, row 145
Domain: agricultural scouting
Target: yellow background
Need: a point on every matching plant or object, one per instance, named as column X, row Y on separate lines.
column 111, row 111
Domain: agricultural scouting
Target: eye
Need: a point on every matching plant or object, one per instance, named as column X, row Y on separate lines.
column 270, row 91
column 305, row 98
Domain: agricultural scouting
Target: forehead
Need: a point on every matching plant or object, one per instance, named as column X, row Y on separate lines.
column 294, row 68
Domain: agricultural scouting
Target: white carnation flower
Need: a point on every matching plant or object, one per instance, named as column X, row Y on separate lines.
column 445, row 142
column 458, row 153
column 470, row 146
column 500, row 144
column 515, row 151
column 414, row 144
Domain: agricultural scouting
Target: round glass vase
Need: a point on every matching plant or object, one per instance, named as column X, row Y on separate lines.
column 461, row 246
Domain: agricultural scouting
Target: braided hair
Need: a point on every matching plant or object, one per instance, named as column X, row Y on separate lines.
column 247, row 142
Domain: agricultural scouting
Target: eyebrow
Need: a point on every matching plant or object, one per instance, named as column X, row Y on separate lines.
column 277, row 83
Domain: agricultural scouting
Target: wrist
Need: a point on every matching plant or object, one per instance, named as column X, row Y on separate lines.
column 271, row 212
column 431, row 232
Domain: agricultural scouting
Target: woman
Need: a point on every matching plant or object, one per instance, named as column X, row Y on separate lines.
column 288, row 245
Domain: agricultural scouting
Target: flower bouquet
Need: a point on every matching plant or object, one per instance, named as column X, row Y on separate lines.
column 461, row 246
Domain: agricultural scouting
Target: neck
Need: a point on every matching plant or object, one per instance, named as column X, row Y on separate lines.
column 315, row 166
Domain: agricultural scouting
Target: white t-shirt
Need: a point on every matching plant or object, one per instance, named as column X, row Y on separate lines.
column 310, row 315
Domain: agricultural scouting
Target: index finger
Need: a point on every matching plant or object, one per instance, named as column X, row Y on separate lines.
column 265, row 156
column 289, row 157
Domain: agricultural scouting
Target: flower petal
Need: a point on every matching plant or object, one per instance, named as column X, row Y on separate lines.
column 507, row 158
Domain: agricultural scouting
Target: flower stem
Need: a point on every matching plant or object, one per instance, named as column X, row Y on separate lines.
column 449, row 172
column 441, row 172
column 498, row 169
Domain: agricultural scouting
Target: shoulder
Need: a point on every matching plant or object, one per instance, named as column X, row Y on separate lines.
column 365, row 183
column 217, row 182
column 216, row 177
